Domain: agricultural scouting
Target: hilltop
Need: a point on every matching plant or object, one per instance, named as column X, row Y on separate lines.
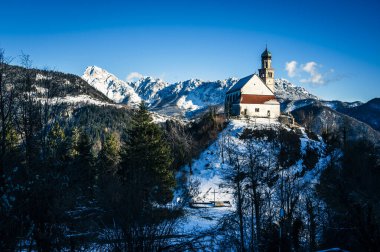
column 248, row 145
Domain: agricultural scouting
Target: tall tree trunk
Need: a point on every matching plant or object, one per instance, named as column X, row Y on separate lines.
column 258, row 218
column 240, row 205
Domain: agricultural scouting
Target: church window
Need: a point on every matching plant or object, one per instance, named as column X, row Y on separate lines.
column 268, row 113
column 257, row 110
column 270, row 75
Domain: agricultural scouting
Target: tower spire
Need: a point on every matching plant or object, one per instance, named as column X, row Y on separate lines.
column 267, row 72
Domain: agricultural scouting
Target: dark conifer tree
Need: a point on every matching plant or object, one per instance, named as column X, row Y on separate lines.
column 109, row 156
column 147, row 161
column 145, row 181
column 84, row 164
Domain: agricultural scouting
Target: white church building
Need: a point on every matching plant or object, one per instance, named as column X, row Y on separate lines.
column 254, row 95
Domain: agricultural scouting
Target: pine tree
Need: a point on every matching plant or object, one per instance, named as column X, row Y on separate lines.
column 57, row 144
column 146, row 163
column 147, row 181
column 82, row 162
column 84, row 150
column 74, row 142
column 109, row 156
column 85, row 163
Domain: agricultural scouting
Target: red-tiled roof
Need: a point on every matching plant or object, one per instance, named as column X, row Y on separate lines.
column 256, row 99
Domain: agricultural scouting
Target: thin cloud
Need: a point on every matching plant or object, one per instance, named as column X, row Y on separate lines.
column 134, row 76
column 315, row 77
column 291, row 68
column 312, row 73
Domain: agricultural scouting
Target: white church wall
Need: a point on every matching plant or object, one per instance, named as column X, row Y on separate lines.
column 256, row 86
column 251, row 110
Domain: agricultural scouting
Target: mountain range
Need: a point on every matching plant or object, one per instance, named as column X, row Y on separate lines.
column 187, row 99
column 184, row 98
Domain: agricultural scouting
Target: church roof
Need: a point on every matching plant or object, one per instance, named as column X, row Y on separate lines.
column 240, row 84
column 266, row 53
column 256, row 99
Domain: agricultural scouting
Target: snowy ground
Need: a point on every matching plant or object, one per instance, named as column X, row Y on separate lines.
column 77, row 100
column 83, row 99
column 209, row 169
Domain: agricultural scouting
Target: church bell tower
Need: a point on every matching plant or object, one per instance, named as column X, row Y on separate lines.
column 267, row 72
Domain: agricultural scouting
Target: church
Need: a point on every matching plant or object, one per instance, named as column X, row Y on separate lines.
column 253, row 95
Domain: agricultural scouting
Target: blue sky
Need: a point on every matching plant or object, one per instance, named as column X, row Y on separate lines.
column 331, row 48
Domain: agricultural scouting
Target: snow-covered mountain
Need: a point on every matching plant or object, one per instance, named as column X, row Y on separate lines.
column 180, row 98
column 115, row 89
column 148, row 87
column 286, row 91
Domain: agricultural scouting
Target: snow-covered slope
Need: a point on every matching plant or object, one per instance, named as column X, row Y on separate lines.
column 320, row 118
column 191, row 96
column 115, row 89
column 212, row 167
column 148, row 87
column 368, row 112
column 286, row 91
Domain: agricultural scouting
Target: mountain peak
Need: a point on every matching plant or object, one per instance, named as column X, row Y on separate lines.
column 94, row 70
column 117, row 90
